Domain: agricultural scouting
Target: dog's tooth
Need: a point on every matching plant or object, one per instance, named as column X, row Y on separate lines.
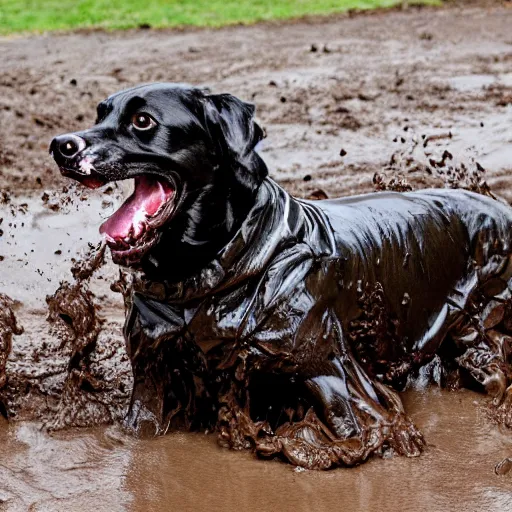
column 108, row 238
column 86, row 165
column 135, row 233
column 118, row 244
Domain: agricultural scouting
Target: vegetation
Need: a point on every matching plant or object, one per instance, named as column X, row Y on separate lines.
column 43, row 15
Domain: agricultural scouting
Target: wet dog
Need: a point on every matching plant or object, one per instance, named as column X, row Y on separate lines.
column 285, row 324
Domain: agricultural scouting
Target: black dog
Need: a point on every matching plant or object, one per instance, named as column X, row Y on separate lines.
column 277, row 321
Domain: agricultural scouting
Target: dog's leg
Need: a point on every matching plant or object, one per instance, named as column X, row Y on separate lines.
column 485, row 337
column 169, row 383
column 237, row 430
column 170, row 390
column 351, row 418
column 145, row 416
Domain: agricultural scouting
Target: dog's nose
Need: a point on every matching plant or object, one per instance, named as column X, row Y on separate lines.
column 67, row 146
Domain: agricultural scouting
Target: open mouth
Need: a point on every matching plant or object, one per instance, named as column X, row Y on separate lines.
column 88, row 180
column 133, row 228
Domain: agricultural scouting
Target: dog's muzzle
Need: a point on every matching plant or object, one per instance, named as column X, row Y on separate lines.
column 68, row 152
column 66, row 147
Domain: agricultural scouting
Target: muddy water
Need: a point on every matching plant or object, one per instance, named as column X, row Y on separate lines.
column 104, row 470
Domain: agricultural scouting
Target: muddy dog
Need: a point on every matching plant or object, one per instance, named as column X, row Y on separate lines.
column 284, row 324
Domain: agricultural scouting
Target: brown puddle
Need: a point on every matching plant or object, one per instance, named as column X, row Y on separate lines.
column 104, row 470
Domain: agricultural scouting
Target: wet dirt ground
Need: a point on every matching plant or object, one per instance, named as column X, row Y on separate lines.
column 341, row 99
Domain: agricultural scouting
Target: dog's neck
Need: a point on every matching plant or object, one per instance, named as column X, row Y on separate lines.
column 275, row 221
column 198, row 236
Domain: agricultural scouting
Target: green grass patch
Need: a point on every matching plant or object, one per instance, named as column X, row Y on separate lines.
column 43, row 15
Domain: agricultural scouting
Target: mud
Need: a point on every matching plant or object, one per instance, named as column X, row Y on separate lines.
column 73, row 371
column 456, row 81
column 380, row 102
column 105, row 470
column 8, row 328
column 69, row 366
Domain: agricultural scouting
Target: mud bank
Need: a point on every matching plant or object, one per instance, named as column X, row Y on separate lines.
column 320, row 88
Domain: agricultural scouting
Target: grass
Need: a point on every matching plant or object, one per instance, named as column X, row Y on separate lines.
column 44, row 15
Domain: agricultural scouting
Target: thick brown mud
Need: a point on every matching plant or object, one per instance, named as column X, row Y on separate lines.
column 8, row 327
column 394, row 100
column 105, row 470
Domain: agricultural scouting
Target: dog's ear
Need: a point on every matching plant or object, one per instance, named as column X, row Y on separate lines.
column 234, row 134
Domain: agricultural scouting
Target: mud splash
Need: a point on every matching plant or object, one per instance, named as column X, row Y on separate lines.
column 79, row 374
column 69, row 366
column 8, row 328
column 425, row 161
column 88, row 397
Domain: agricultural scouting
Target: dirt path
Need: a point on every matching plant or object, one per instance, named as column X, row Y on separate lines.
column 351, row 84
column 341, row 99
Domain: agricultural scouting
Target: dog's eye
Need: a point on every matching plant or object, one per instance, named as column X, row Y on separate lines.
column 142, row 121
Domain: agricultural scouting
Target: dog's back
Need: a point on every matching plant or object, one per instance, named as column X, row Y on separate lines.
column 427, row 249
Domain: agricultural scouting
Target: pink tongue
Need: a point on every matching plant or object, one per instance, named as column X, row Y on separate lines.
column 130, row 219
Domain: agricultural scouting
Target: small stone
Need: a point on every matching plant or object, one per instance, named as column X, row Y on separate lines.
column 503, row 467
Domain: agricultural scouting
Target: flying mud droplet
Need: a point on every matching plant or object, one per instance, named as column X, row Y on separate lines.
column 85, row 267
column 395, row 183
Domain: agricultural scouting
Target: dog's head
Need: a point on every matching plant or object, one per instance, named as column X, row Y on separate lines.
column 191, row 155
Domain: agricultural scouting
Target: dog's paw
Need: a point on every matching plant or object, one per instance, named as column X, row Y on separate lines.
column 303, row 443
column 311, row 445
